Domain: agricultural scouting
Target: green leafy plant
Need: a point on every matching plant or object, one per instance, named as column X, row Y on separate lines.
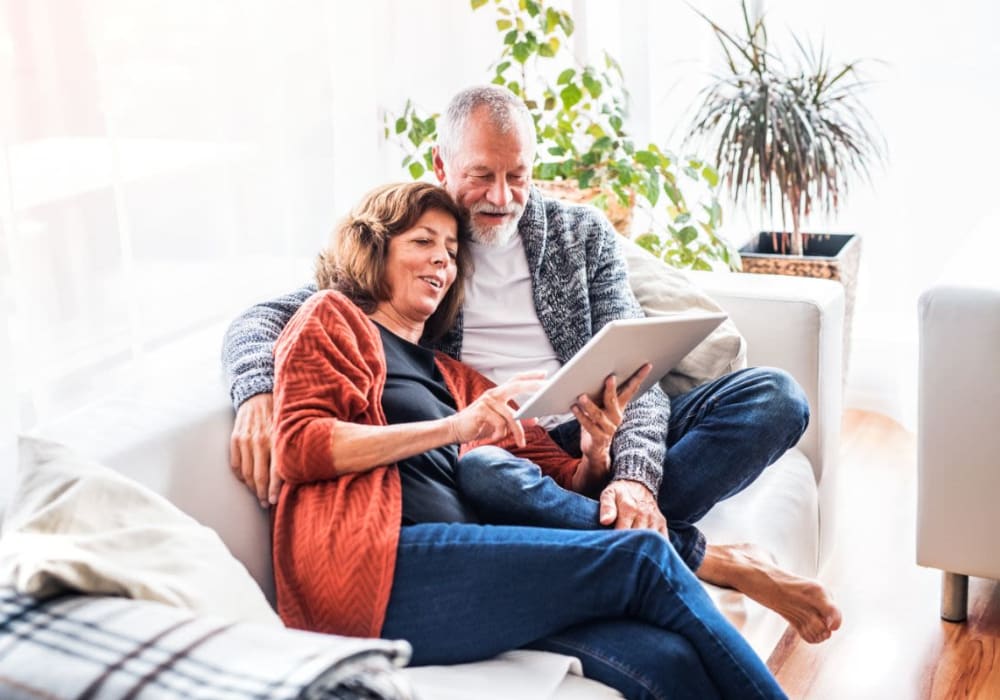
column 791, row 134
column 580, row 114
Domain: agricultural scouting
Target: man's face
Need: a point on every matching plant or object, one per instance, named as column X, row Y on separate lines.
column 490, row 177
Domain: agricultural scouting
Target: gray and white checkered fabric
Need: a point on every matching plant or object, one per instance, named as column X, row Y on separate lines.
column 105, row 648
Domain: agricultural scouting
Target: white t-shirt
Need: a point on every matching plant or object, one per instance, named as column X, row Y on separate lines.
column 501, row 333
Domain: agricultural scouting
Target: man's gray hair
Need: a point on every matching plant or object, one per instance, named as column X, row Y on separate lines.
column 505, row 109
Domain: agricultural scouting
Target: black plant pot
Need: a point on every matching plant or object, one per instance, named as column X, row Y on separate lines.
column 815, row 245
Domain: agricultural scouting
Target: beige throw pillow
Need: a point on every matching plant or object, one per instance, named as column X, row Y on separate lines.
column 663, row 290
column 73, row 524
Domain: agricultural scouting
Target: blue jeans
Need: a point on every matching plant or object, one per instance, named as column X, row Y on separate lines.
column 722, row 436
column 620, row 600
column 617, row 600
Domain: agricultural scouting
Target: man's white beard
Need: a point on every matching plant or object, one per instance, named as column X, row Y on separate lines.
column 495, row 236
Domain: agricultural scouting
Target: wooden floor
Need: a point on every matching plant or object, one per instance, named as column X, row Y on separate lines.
column 892, row 643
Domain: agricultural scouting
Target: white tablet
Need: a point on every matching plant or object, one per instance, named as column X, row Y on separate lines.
column 621, row 348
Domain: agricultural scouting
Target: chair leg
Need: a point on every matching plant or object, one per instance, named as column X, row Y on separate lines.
column 954, row 596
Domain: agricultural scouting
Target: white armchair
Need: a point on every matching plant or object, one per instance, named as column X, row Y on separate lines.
column 958, row 439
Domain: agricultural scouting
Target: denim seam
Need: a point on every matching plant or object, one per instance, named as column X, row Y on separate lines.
column 632, row 673
column 707, row 629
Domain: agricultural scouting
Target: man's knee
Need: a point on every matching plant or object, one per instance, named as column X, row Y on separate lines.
column 783, row 396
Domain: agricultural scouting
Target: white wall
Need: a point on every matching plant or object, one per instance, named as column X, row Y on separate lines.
column 165, row 163
column 935, row 96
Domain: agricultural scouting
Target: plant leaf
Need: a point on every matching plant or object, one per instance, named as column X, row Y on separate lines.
column 651, row 242
column 547, row 171
column 601, row 144
column 647, row 158
column 711, row 176
column 687, row 234
column 570, row 96
column 567, row 23
column 593, row 85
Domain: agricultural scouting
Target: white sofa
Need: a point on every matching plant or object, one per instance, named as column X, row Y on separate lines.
column 958, row 439
column 167, row 425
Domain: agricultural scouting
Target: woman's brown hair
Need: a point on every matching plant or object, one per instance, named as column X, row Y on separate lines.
column 354, row 262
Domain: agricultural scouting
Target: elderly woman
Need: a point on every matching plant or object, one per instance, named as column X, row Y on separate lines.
column 372, row 536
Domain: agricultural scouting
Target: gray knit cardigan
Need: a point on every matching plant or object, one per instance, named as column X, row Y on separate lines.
column 579, row 283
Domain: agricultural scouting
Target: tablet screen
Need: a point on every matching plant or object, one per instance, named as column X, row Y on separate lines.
column 619, row 349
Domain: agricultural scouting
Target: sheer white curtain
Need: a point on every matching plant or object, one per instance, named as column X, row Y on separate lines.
column 163, row 165
column 163, row 161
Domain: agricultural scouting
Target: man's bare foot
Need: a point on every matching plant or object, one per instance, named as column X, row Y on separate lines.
column 805, row 603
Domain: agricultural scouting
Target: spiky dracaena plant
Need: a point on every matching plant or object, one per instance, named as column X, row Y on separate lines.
column 794, row 136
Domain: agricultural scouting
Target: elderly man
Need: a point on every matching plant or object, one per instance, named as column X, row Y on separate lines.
column 547, row 276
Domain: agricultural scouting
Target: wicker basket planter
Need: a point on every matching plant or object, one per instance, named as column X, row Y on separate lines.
column 568, row 191
column 833, row 256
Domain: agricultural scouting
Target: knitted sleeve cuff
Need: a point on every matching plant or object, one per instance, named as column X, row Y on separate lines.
column 635, row 466
column 247, row 387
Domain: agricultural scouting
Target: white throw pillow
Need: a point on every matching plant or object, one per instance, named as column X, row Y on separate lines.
column 662, row 290
column 73, row 524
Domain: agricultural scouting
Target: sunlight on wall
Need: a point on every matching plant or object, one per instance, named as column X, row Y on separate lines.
column 934, row 94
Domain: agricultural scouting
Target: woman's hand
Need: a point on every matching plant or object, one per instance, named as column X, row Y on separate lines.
column 490, row 417
column 598, row 424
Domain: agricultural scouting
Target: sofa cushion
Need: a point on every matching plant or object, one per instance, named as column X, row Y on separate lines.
column 662, row 290
column 167, row 426
column 521, row 674
column 778, row 513
column 76, row 525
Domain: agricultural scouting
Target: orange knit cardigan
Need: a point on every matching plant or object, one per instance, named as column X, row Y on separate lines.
column 335, row 536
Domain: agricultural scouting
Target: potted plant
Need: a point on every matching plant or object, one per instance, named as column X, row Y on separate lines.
column 584, row 151
column 793, row 135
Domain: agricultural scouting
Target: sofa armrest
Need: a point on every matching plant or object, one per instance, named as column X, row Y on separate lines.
column 795, row 324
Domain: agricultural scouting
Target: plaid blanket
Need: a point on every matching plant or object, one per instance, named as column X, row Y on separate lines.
column 104, row 648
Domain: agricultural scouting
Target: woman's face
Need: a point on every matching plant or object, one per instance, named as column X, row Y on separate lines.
column 420, row 266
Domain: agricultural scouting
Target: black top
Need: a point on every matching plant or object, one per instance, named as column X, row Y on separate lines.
column 415, row 391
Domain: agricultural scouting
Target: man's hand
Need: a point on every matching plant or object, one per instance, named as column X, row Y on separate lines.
column 250, row 448
column 598, row 424
column 631, row 506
